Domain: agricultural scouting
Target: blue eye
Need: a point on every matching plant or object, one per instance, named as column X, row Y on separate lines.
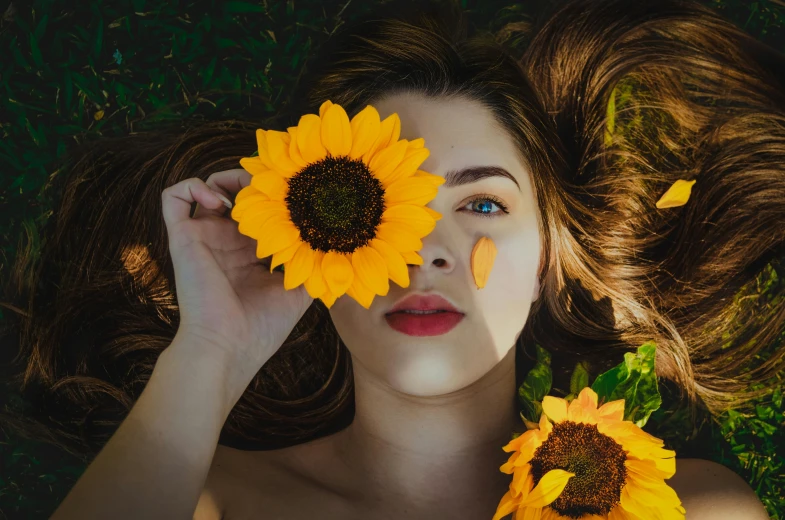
column 485, row 209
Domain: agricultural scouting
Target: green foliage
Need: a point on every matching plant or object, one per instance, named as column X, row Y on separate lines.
column 578, row 380
column 634, row 381
column 535, row 386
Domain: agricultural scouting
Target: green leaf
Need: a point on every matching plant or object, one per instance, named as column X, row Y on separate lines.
column 99, row 37
column 536, row 386
column 35, row 52
column 40, row 29
column 634, row 381
column 579, row 379
column 208, row 73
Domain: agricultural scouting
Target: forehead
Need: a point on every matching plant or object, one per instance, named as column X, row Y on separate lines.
column 457, row 131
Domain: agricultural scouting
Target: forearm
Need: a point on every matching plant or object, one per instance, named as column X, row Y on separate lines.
column 156, row 464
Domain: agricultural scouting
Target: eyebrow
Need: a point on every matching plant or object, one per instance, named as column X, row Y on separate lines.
column 475, row 173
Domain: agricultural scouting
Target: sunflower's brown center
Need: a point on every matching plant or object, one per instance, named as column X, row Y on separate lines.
column 336, row 203
column 597, row 461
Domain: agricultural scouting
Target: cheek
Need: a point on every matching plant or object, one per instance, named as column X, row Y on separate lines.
column 507, row 297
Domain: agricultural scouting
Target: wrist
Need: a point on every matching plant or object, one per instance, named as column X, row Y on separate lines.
column 204, row 362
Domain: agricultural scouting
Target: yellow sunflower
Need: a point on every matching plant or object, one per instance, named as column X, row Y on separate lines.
column 588, row 464
column 340, row 203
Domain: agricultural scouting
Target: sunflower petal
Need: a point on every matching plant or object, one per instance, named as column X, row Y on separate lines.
column 371, row 269
column 248, row 191
column 522, row 481
column 278, row 149
column 365, row 130
column 253, row 165
column 284, row 255
column 529, row 513
column 509, row 466
column 545, row 426
column 417, row 143
column 294, row 150
column 583, row 410
column 677, row 195
column 434, row 179
column 619, row 513
column 555, row 408
column 360, row 293
column 507, row 505
column 249, row 199
column 271, row 184
column 299, row 268
column 528, row 448
column 397, row 269
column 548, row 489
column 315, row 284
column 520, row 440
column 309, row 138
column 662, row 504
column 481, row 260
column 328, row 298
column 323, row 108
column 411, row 257
column 644, row 473
column 632, row 506
column 411, row 190
column 550, row 514
column 389, row 132
column 412, row 160
column 336, row 131
column 258, row 218
column 613, row 410
column 337, row 271
column 387, row 159
column 588, row 397
column 413, row 218
column 285, row 234
column 435, row 214
column 398, row 237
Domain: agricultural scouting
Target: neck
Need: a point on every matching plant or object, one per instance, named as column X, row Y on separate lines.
column 433, row 450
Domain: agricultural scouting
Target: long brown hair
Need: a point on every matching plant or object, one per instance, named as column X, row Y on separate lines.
column 97, row 307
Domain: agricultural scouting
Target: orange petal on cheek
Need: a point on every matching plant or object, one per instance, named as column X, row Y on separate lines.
column 483, row 256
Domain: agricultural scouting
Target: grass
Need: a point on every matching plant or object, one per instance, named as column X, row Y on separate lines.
column 72, row 71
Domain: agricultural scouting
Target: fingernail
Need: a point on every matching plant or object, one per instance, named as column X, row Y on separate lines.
column 226, row 201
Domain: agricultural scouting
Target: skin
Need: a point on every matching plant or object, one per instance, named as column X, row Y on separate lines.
column 432, row 413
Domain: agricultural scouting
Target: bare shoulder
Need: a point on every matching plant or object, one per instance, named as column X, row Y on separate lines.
column 240, row 484
column 713, row 492
column 235, row 481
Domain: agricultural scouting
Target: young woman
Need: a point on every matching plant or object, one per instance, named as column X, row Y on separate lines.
column 250, row 401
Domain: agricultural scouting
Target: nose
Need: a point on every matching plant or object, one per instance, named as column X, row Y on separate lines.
column 436, row 256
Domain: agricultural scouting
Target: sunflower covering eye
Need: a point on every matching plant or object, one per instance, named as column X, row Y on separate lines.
column 339, row 203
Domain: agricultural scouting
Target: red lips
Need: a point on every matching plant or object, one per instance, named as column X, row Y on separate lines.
column 423, row 302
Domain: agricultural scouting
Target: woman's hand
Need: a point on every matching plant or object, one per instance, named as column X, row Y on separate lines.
column 230, row 304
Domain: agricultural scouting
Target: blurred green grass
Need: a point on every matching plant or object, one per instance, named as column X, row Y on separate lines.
column 76, row 70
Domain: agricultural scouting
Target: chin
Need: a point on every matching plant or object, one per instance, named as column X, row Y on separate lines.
column 436, row 372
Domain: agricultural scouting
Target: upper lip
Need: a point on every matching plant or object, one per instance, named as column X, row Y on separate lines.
column 423, row 302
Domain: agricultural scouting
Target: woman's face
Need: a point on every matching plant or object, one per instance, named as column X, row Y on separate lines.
column 459, row 134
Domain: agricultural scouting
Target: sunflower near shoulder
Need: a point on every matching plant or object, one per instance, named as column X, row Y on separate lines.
column 614, row 470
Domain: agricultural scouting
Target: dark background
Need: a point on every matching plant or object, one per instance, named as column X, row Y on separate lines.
column 71, row 71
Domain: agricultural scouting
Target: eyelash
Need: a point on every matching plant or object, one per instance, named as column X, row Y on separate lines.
column 493, row 199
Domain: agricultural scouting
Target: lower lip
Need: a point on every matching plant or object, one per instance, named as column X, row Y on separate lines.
column 424, row 324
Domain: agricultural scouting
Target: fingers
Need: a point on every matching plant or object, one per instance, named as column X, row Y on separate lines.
column 178, row 198
column 228, row 183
